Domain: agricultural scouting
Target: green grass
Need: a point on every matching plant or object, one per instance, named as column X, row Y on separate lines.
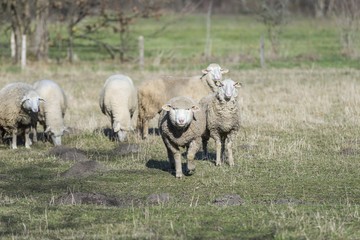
column 304, row 42
column 296, row 165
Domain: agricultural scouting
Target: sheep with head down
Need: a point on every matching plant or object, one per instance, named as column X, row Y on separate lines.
column 222, row 119
column 181, row 124
column 118, row 101
column 19, row 107
column 52, row 111
column 152, row 94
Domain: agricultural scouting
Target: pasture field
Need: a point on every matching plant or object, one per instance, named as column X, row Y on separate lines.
column 296, row 173
column 178, row 42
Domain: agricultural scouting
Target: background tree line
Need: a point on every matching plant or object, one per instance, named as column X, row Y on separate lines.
column 32, row 18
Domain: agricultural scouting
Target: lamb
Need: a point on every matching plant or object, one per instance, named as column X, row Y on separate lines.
column 181, row 124
column 52, row 111
column 118, row 101
column 19, row 107
column 222, row 119
column 152, row 94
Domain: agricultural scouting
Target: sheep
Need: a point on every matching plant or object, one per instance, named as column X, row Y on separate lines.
column 181, row 124
column 118, row 101
column 19, row 106
column 52, row 111
column 152, row 94
column 222, row 119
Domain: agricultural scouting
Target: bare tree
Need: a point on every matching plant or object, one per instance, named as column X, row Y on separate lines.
column 40, row 36
column 273, row 15
column 20, row 19
column 348, row 19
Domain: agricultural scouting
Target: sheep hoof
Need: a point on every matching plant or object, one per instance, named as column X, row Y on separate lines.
column 178, row 175
column 190, row 172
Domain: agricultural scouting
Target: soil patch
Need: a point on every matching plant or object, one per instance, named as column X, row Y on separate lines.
column 229, row 200
column 84, row 169
column 68, row 154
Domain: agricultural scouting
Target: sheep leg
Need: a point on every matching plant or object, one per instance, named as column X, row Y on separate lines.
column 144, row 128
column 34, row 130
column 193, row 148
column 14, row 139
column 218, row 151
column 229, row 151
column 171, row 158
column 27, row 137
column 178, row 168
column 205, row 149
column 223, row 157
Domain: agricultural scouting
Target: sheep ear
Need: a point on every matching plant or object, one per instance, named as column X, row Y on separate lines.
column 166, row 107
column 205, row 71
column 224, row 70
column 48, row 129
column 238, row 85
column 218, row 83
column 42, row 100
column 24, row 99
column 195, row 108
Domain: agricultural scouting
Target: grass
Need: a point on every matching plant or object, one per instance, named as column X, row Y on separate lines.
column 304, row 42
column 296, row 165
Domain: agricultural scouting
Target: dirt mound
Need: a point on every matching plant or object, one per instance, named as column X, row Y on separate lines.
column 88, row 198
column 126, row 148
column 161, row 198
column 229, row 200
column 84, row 169
column 68, row 154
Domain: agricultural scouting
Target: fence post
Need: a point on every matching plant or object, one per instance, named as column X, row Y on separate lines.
column 12, row 44
column 262, row 52
column 23, row 52
column 141, row 52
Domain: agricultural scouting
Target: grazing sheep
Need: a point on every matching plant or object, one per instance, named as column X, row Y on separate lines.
column 222, row 119
column 19, row 106
column 153, row 94
column 52, row 111
column 181, row 124
column 118, row 101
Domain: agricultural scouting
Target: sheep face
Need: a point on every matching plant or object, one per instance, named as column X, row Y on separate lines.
column 227, row 89
column 121, row 134
column 55, row 135
column 215, row 71
column 31, row 102
column 180, row 117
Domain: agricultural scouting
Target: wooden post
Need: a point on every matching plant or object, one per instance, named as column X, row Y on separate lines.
column 262, row 52
column 141, row 52
column 23, row 52
column 208, row 29
column 12, row 44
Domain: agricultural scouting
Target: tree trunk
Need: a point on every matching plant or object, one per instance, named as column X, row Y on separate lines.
column 319, row 8
column 40, row 36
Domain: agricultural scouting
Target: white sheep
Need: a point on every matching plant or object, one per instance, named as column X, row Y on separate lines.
column 19, row 106
column 222, row 119
column 52, row 111
column 152, row 94
column 118, row 101
column 181, row 124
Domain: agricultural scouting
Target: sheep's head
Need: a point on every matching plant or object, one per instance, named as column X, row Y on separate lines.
column 31, row 101
column 121, row 133
column 227, row 89
column 181, row 112
column 55, row 134
column 215, row 71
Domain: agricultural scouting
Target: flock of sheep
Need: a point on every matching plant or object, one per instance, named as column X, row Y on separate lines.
column 192, row 110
